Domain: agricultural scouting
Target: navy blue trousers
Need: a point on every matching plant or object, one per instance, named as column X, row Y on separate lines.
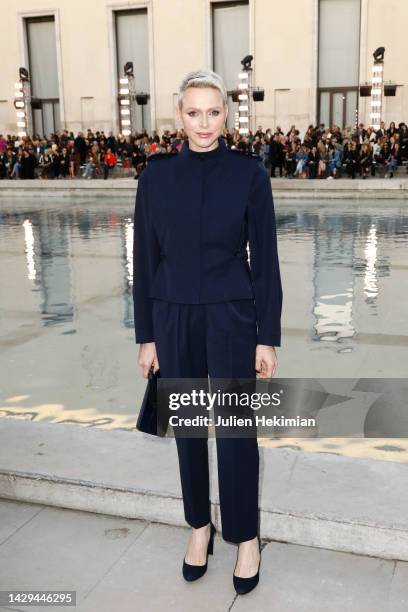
column 216, row 340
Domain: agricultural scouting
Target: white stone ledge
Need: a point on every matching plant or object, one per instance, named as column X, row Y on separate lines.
column 314, row 499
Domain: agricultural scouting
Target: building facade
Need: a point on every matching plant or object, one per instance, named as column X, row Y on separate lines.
column 310, row 57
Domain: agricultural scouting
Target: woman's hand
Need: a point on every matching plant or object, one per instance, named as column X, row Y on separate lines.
column 148, row 357
column 266, row 361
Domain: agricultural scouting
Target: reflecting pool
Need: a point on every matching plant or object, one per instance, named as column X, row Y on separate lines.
column 66, row 330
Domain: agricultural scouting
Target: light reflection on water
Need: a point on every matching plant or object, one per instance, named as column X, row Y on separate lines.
column 68, row 310
column 49, row 238
column 350, row 256
column 350, row 252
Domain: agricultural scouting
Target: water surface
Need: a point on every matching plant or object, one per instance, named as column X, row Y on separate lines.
column 66, row 330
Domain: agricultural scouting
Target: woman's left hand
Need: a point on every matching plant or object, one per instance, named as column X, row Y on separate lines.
column 266, row 361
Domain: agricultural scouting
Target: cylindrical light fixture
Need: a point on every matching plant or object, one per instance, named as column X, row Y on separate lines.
column 20, row 106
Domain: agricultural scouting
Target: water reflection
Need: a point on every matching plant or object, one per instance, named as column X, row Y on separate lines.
column 127, row 262
column 370, row 276
column 48, row 238
column 349, row 251
column 66, row 327
column 44, row 238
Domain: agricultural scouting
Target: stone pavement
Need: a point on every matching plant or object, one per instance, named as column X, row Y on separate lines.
column 115, row 563
column 345, row 504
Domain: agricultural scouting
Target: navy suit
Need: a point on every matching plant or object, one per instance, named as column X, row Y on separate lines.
column 194, row 215
column 204, row 306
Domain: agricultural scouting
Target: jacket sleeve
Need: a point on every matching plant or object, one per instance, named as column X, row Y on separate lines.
column 146, row 257
column 264, row 260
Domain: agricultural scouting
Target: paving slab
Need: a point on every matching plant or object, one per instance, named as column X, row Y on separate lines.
column 14, row 516
column 122, row 564
column 64, row 550
column 301, row 578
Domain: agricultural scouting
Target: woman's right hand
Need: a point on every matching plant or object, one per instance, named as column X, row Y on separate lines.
column 148, row 357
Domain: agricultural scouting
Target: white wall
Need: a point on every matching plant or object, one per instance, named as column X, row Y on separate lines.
column 283, row 40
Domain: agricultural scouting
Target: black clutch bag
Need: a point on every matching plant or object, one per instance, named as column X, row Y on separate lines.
column 150, row 419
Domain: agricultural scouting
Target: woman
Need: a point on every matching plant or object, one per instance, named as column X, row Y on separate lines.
column 335, row 160
column 290, row 159
column 65, row 162
column 277, row 154
column 266, row 149
column 56, row 161
column 301, row 161
column 323, row 159
column 75, row 162
column 138, row 158
column 28, row 164
column 352, row 159
column 366, row 159
column 392, row 130
column 378, row 159
column 45, row 163
column 109, row 161
column 391, row 157
column 92, row 161
column 10, row 162
column 371, row 136
column 201, row 310
column 313, row 162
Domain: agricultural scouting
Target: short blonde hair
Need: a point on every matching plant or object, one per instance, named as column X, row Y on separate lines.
column 202, row 78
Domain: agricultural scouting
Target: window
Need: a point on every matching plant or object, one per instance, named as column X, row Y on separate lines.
column 132, row 45
column 230, row 35
column 42, row 58
column 339, row 57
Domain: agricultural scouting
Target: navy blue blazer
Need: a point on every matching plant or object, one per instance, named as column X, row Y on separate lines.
column 195, row 214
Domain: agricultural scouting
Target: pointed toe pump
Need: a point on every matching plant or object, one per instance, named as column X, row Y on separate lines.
column 193, row 572
column 245, row 585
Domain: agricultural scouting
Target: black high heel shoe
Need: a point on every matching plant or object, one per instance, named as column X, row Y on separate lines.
column 192, row 572
column 244, row 585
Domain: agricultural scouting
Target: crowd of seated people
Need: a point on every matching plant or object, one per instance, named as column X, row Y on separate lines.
column 331, row 153
column 320, row 153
